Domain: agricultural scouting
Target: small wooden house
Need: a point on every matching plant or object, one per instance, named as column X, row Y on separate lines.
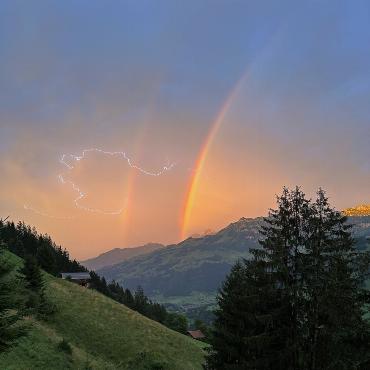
column 80, row 278
column 196, row 334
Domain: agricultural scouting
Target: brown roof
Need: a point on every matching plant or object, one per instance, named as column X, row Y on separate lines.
column 196, row 334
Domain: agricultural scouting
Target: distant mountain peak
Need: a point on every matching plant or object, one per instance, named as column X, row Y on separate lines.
column 204, row 233
column 244, row 220
column 244, row 224
column 360, row 210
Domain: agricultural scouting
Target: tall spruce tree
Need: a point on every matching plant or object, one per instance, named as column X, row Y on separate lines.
column 46, row 256
column 300, row 302
column 336, row 333
column 283, row 238
column 243, row 335
column 11, row 304
column 34, row 283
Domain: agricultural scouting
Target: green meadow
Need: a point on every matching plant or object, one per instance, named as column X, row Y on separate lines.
column 100, row 334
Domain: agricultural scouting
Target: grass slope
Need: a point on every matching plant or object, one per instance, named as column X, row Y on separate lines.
column 103, row 334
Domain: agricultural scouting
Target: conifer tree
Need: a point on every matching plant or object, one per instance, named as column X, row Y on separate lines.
column 244, row 335
column 283, row 239
column 128, row 298
column 34, row 283
column 300, row 302
column 11, row 305
column 46, row 256
column 140, row 300
column 337, row 335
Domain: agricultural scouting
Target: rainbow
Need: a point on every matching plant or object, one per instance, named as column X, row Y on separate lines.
column 192, row 187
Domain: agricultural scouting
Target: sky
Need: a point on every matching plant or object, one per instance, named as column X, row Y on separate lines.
column 127, row 122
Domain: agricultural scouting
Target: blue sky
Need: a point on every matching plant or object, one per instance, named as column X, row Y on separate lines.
column 149, row 77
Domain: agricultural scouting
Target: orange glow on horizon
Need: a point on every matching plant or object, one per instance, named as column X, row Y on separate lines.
column 193, row 184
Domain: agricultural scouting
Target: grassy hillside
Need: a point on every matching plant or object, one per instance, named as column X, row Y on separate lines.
column 103, row 334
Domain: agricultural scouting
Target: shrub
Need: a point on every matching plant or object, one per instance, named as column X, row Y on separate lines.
column 65, row 347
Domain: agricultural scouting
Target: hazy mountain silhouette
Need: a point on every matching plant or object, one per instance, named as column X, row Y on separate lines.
column 196, row 264
column 201, row 264
column 118, row 255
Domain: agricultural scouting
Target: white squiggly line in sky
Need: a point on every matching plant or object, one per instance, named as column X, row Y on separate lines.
column 164, row 169
column 81, row 194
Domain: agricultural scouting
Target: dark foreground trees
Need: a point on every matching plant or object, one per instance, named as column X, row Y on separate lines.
column 11, row 304
column 300, row 302
column 34, row 283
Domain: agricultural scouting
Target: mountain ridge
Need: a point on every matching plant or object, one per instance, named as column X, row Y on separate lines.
column 183, row 266
column 118, row 255
column 196, row 267
column 358, row 211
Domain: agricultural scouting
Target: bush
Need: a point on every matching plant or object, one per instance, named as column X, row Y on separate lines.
column 65, row 347
column 46, row 309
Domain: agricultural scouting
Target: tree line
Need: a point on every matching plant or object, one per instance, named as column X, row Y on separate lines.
column 139, row 302
column 39, row 251
column 301, row 302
